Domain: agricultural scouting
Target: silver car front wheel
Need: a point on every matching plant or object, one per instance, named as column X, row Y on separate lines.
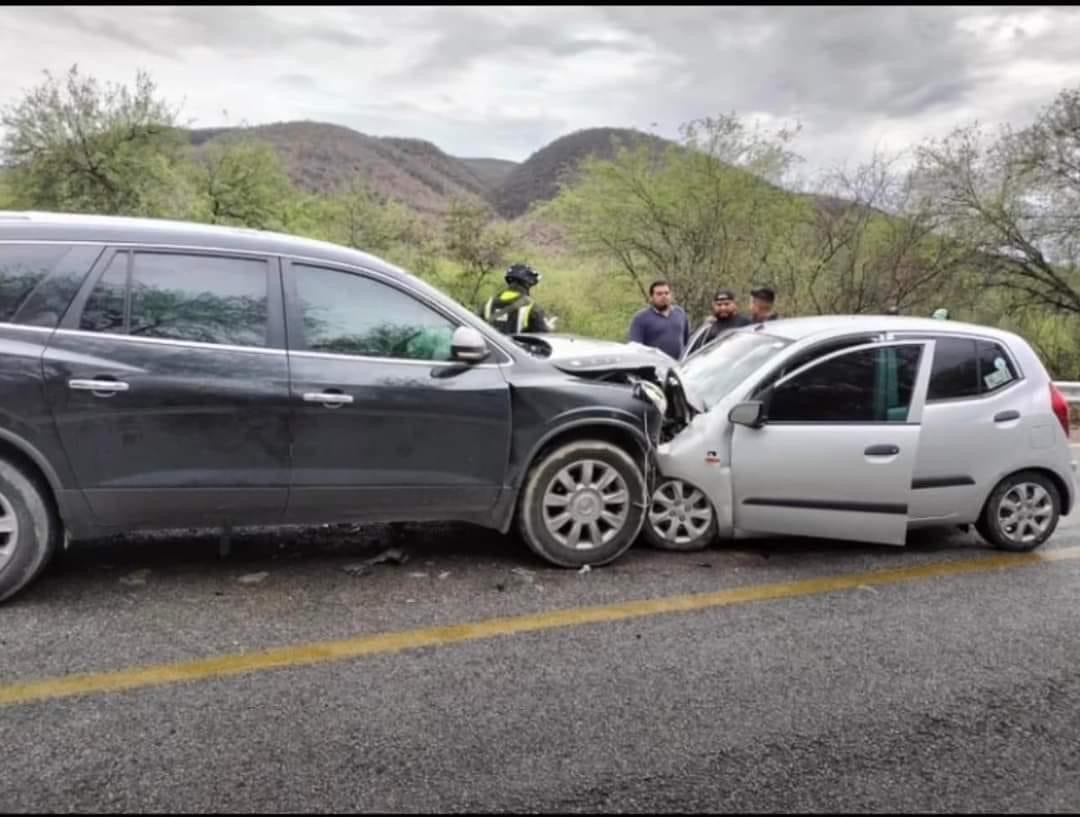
column 680, row 517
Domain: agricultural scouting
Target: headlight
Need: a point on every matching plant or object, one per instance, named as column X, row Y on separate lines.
column 655, row 395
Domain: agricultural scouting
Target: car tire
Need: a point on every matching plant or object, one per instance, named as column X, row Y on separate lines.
column 680, row 518
column 29, row 528
column 1021, row 513
column 588, row 486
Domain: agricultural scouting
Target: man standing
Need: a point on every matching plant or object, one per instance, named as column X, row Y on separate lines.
column 761, row 305
column 513, row 310
column 661, row 324
column 725, row 316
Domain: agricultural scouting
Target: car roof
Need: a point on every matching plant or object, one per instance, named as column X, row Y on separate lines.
column 795, row 329
column 41, row 226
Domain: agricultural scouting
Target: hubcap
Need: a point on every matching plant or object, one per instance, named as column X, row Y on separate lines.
column 679, row 512
column 1025, row 512
column 9, row 531
column 586, row 505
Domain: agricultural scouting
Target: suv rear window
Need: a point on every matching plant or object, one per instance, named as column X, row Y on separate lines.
column 177, row 296
column 38, row 281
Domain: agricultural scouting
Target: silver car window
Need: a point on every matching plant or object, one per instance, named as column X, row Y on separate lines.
column 711, row 374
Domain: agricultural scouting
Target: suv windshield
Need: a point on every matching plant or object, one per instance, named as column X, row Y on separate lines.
column 712, row 373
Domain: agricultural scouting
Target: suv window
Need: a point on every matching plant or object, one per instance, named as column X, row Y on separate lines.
column 105, row 308
column 868, row 386
column 200, row 298
column 351, row 314
column 38, row 281
column 955, row 373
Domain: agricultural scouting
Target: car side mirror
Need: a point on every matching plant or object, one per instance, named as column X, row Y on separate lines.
column 468, row 345
column 750, row 414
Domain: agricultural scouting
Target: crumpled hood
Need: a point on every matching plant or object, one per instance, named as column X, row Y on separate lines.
column 578, row 355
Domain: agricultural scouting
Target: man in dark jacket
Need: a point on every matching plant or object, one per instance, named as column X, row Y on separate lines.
column 725, row 316
column 661, row 325
column 762, row 301
column 513, row 310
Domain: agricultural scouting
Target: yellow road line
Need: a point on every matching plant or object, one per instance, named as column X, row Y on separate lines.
column 317, row 653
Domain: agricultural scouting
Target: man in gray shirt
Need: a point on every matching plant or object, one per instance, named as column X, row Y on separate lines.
column 661, row 324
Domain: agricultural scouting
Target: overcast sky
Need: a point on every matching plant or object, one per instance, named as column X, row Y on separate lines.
column 503, row 82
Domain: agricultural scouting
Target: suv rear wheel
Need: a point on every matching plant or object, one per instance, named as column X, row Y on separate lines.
column 1021, row 513
column 583, row 504
column 28, row 530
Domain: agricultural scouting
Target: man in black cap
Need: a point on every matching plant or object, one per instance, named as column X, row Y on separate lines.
column 725, row 316
column 761, row 305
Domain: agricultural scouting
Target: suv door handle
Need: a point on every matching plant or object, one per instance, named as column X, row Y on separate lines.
column 101, row 388
column 1006, row 416
column 882, row 451
column 330, row 399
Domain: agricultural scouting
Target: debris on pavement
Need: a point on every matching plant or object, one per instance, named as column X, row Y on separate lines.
column 444, row 575
column 585, row 569
column 395, row 555
column 136, row 579
column 526, row 576
column 418, row 575
column 253, row 578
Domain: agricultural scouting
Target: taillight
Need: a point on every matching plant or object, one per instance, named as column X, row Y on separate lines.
column 1060, row 406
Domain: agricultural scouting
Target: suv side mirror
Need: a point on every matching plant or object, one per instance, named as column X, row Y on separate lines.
column 750, row 414
column 468, row 346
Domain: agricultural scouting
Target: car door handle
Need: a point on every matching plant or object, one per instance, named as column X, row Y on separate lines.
column 1006, row 416
column 104, row 388
column 882, row 451
column 330, row 399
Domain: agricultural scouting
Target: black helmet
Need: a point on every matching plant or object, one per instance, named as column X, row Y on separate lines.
column 522, row 274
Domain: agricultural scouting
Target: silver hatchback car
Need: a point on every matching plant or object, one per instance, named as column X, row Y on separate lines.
column 861, row 428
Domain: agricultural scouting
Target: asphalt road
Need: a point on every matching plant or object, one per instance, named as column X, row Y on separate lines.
column 924, row 693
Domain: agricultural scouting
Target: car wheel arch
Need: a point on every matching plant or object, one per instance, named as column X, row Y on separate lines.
column 21, row 453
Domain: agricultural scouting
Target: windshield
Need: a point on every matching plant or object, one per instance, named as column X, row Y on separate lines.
column 712, row 373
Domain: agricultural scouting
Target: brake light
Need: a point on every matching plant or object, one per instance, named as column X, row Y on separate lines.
column 1060, row 406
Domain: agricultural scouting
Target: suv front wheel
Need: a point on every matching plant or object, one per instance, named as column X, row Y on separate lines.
column 28, row 530
column 583, row 504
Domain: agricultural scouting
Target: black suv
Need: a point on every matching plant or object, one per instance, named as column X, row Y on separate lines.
column 162, row 374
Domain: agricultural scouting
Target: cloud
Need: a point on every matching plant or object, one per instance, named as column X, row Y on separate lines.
column 302, row 82
column 504, row 81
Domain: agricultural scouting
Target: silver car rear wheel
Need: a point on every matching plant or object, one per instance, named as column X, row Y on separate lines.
column 1025, row 513
column 680, row 517
column 1021, row 513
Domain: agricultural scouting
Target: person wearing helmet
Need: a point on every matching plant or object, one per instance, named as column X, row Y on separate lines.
column 513, row 310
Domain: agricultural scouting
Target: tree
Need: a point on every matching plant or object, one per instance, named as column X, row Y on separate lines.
column 370, row 223
column 480, row 246
column 702, row 214
column 873, row 241
column 75, row 145
column 1016, row 199
column 242, row 183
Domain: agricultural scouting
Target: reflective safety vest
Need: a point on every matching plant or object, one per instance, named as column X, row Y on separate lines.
column 509, row 312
